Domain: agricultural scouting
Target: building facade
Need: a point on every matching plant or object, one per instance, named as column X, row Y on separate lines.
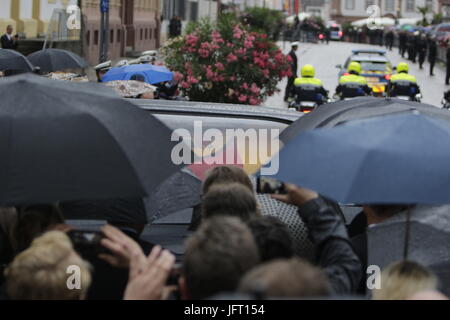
column 318, row 8
column 134, row 26
column 187, row 10
column 444, row 9
column 30, row 18
column 350, row 10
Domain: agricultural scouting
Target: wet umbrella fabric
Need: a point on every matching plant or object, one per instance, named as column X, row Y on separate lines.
column 122, row 210
column 13, row 60
column 429, row 235
column 330, row 115
column 142, row 72
column 72, row 141
column 391, row 159
column 51, row 60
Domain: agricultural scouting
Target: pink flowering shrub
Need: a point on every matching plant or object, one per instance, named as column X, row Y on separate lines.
column 227, row 63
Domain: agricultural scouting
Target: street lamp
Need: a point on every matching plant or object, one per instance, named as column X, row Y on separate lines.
column 104, row 28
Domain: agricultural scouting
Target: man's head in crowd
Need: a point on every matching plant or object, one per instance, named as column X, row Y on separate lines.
column 217, row 255
column 225, row 175
column 403, row 279
column 286, row 278
column 232, row 199
column 41, row 271
column 33, row 220
column 272, row 238
column 9, row 29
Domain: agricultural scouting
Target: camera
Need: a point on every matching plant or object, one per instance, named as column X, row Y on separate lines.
column 87, row 242
column 270, row 186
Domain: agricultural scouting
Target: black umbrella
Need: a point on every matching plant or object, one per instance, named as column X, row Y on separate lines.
column 421, row 235
column 330, row 115
column 123, row 210
column 50, row 60
column 180, row 191
column 13, row 60
column 64, row 141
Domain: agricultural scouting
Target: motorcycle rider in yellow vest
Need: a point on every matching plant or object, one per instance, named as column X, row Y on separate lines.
column 352, row 84
column 309, row 88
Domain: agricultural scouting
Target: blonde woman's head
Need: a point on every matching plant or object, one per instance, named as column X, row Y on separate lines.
column 42, row 271
column 403, row 279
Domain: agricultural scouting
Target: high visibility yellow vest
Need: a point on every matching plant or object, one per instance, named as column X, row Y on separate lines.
column 312, row 81
column 353, row 78
column 403, row 77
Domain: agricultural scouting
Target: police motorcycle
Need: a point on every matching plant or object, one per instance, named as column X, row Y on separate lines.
column 307, row 98
column 349, row 91
column 403, row 90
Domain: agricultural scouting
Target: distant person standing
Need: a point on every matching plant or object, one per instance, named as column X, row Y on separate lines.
column 327, row 35
column 389, row 40
column 403, row 39
column 8, row 40
column 294, row 67
column 432, row 54
column 447, row 76
column 422, row 47
column 175, row 27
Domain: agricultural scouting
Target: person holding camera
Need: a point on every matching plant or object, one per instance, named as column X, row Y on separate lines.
column 8, row 40
column 335, row 254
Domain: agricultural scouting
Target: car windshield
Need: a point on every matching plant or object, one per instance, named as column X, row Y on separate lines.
column 373, row 66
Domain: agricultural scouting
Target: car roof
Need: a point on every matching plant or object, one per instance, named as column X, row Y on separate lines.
column 368, row 58
column 218, row 110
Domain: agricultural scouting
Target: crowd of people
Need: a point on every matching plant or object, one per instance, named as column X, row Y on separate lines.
column 416, row 46
column 236, row 249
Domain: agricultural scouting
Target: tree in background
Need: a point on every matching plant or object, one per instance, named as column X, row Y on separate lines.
column 226, row 62
column 437, row 18
column 424, row 11
column 264, row 20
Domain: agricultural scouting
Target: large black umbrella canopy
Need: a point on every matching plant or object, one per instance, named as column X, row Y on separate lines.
column 64, row 141
column 425, row 234
column 13, row 60
column 51, row 60
column 122, row 210
column 330, row 115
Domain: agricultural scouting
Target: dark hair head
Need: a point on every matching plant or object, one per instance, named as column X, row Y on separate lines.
column 232, row 199
column 33, row 220
column 217, row 255
column 288, row 278
column 272, row 238
column 226, row 174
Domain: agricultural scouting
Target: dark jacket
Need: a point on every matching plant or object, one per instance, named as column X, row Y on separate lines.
column 432, row 51
column 7, row 43
column 357, row 231
column 294, row 63
column 333, row 248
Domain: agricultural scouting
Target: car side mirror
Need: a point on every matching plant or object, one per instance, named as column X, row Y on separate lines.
column 339, row 66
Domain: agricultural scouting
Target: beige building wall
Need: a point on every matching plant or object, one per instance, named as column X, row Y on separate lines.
column 5, row 16
column 30, row 17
